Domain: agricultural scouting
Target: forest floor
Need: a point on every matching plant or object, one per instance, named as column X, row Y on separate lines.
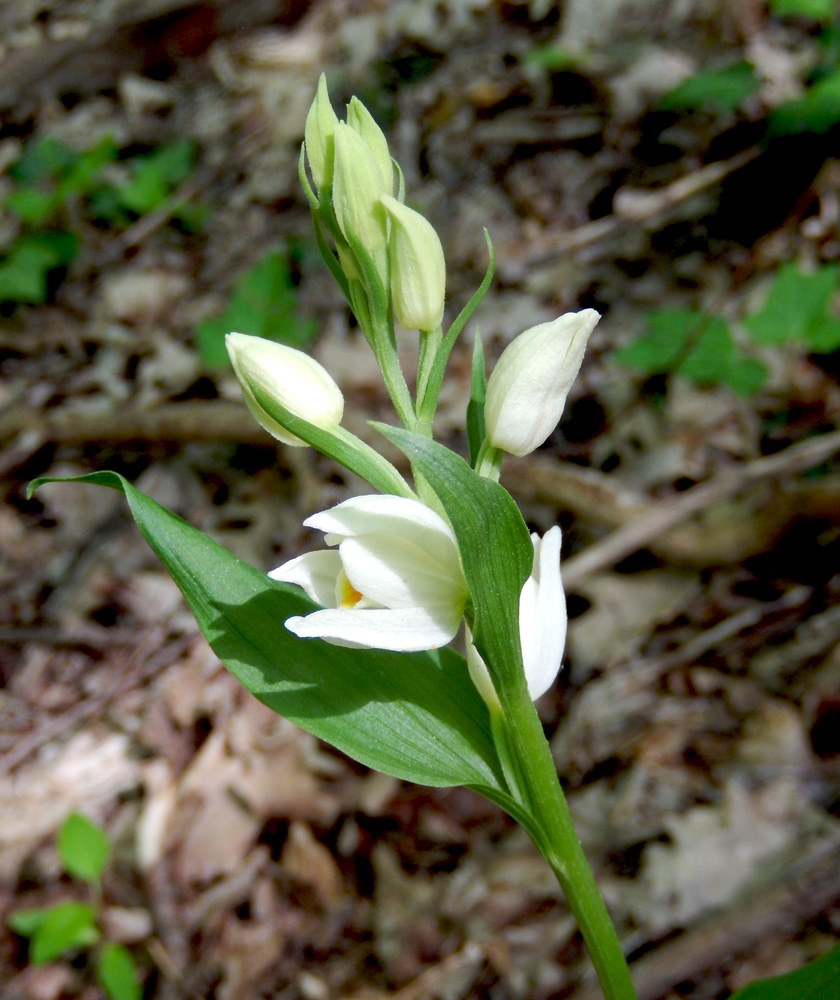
column 696, row 723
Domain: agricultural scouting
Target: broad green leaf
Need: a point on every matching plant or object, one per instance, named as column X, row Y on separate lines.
column 263, row 303
column 818, row 980
column 413, row 715
column 812, row 10
column 117, row 973
column 818, row 111
column 82, row 847
column 495, row 546
column 719, row 89
column 795, row 303
column 65, row 927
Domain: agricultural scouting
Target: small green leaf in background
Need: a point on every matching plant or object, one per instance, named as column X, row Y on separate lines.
column 65, row 927
column 659, row 350
column 117, row 973
column 812, row 10
column 818, row 980
column 155, row 175
column 24, row 269
column 82, row 847
column 718, row 89
column 48, row 157
column 26, row 922
column 695, row 345
column 263, row 303
column 818, row 111
column 796, row 309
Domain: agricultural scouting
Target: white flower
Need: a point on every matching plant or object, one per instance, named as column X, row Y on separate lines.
column 393, row 582
column 527, row 390
column 542, row 624
column 291, row 377
column 318, row 135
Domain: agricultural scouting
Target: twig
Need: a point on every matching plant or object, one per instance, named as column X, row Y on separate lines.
column 669, row 513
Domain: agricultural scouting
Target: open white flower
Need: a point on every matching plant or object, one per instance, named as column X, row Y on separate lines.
column 393, row 580
column 542, row 624
column 527, row 390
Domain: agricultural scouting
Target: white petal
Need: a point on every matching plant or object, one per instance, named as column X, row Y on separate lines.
column 316, row 572
column 542, row 615
column 480, row 675
column 389, row 515
column 406, row 630
column 399, row 573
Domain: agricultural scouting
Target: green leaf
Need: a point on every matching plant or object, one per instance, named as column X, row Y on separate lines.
column 823, row 335
column 818, row 980
column 83, row 848
column 818, row 111
column 24, row 269
column 84, row 172
column 156, row 174
column 65, row 927
column 26, row 922
column 710, row 355
column 812, row 10
column 414, row 715
column 47, row 158
column 659, row 350
column 495, row 546
column 32, row 206
column 475, row 408
column 796, row 305
column 719, row 89
column 264, row 304
column 744, row 376
column 117, row 973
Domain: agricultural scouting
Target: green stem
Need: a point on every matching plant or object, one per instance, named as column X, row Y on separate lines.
column 559, row 844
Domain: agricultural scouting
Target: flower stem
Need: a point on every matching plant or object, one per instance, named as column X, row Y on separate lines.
column 558, row 842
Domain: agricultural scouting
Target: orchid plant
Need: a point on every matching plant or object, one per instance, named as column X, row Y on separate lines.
column 351, row 641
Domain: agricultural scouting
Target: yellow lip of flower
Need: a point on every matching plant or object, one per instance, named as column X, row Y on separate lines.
column 346, row 594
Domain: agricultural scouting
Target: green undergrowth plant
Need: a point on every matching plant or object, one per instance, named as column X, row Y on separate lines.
column 70, row 928
column 263, row 303
column 724, row 89
column 796, row 312
column 56, row 192
column 352, row 640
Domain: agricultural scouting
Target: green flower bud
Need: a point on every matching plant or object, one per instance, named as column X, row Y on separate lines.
column 362, row 122
column 357, row 187
column 318, row 133
column 416, row 268
column 295, row 380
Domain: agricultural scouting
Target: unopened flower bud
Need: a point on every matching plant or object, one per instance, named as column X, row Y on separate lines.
column 318, row 133
column 357, row 187
column 416, row 268
column 363, row 123
column 527, row 390
column 295, row 380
